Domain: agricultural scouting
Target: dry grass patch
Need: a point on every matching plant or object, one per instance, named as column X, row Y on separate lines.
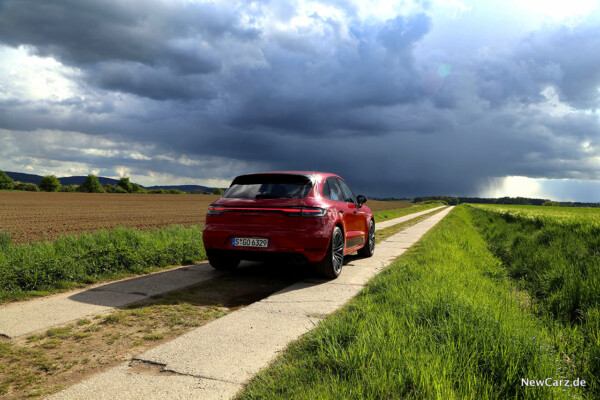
column 43, row 363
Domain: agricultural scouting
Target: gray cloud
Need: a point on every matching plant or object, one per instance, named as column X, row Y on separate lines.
column 213, row 90
column 147, row 49
column 562, row 57
column 94, row 31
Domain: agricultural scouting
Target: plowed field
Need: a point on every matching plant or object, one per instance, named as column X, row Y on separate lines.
column 35, row 216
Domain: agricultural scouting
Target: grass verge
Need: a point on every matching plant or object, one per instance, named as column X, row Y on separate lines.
column 385, row 215
column 73, row 261
column 442, row 322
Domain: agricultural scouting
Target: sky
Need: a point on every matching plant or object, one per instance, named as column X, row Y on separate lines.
column 400, row 98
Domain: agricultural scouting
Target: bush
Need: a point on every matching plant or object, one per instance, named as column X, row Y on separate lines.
column 91, row 185
column 28, row 187
column 174, row 191
column 452, row 201
column 108, row 188
column 135, row 188
column 218, row 191
column 125, row 184
column 551, row 203
column 157, row 191
column 443, row 202
column 5, row 181
column 119, row 189
column 68, row 188
column 50, row 183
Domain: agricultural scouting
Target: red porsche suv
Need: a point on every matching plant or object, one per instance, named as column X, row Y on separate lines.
column 293, row 216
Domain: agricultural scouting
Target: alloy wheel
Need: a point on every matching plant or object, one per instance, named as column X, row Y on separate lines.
column 338, row 251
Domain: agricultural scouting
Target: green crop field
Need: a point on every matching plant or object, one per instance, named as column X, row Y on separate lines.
column 585, row 215
column 491, row 296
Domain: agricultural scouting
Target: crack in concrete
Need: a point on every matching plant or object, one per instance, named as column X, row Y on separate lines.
column 153, row 365
column 175, row 372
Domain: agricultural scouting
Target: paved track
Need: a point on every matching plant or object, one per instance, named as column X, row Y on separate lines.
column 395, row 221
column 26, row 317
column 215, row 360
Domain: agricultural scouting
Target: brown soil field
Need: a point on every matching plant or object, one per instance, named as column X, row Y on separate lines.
column 376, row 205
column 35, row 216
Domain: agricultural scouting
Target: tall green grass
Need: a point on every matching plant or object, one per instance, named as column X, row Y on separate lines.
column 69, row 261
column 556, row 259
column 442, row 322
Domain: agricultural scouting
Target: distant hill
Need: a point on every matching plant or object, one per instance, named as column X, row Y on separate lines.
column 78, row 180
column 184, row 188
column 27, row 178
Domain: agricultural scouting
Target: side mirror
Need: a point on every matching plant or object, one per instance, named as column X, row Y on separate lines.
column 361, row 199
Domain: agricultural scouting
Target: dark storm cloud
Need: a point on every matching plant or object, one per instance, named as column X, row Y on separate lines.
column 146, row 48
column 144, row 81
column 320, row 84
column 83, row 32
column 209, row 91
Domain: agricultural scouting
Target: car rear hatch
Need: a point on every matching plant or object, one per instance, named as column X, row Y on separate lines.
column 261, row 202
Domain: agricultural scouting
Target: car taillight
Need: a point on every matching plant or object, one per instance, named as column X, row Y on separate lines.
column 214, row 211
column 313, row 212
column 305, row 212
column 289, row 211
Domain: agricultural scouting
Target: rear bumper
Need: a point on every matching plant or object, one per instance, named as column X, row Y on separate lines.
column 289, row 246
column 263, row 256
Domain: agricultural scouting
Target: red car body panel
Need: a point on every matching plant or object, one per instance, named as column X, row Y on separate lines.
column 306, row 237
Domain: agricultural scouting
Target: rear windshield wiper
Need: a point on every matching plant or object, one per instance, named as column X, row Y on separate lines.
column 271, row 196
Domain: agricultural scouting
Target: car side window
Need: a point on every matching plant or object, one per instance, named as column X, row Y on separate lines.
column 326, row 192
column 335, row 192
column 348, row 194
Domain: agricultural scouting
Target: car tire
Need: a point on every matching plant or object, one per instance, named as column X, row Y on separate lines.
column 222, row 262
column 331, row 266
column 369, row 248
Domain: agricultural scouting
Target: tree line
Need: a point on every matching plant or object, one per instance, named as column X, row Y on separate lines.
column 504, row 200
column 452, row 201
column 50, row 183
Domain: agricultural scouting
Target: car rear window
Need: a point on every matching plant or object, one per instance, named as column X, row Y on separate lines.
column 269, row 186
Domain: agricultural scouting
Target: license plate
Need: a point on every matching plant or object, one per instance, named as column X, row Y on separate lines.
column 249, row 242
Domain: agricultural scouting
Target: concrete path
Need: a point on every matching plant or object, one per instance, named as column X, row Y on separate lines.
column 217, row 359
column 26, row 317
column 395, row 221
